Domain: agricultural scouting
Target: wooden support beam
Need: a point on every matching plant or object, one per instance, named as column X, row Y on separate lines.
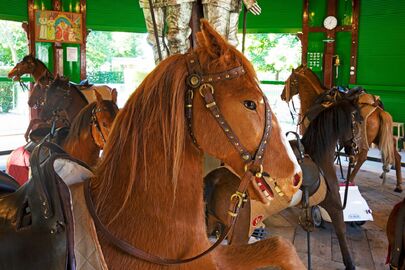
column 355, row 41
column 329, row 47
column 83, row 73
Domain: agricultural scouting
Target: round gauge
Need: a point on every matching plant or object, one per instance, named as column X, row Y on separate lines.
column 330, row 22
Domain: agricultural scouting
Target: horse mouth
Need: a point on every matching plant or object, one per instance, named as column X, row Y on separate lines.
column 13, row 75
column 259, row 190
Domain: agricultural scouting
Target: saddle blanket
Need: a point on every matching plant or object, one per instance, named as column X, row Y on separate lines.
column 88, row 253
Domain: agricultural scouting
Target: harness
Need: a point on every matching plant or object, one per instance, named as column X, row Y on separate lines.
column 94, row 123
column 204, row 83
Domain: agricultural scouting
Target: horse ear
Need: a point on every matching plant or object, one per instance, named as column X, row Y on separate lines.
column 211, row 40
column 114, row 94
column 98, row 96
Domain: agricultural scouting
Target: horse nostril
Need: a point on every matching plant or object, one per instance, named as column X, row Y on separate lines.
column 297, row 180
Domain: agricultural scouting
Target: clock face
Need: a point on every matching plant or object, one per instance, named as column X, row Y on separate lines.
column 330, row 22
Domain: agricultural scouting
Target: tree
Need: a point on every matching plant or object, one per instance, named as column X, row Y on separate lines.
column 274, row 53
column 103, row 46
column 13, row 43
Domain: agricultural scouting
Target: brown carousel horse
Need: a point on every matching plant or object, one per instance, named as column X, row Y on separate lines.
column 396, row 237
column 149, row 184
column 89, row 131
column 83, row 140
column 42, row 77
column 376, row 129
column 319, row 141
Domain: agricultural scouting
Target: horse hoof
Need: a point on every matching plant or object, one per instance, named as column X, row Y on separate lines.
column 397, row 189
column 351, row 267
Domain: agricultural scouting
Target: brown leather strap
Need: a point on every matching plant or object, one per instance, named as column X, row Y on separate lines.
column 136, row 252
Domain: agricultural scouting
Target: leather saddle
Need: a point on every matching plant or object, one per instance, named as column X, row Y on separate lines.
column 7, row 183
column 331, row 97
column 310, row 171
column 36, row 224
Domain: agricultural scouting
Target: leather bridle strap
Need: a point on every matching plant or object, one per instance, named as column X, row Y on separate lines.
column 94, row 122
column 133, row 251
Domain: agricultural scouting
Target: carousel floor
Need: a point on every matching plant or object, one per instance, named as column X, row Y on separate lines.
column 368, row 243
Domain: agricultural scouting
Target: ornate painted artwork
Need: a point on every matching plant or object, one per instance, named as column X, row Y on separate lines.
column 56, row 26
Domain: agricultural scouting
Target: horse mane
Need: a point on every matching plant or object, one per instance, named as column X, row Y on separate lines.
column 153, row 118
column 36, row 60
column 314, row 76
column 327, row 128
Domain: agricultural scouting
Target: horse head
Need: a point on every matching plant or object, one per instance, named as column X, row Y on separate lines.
column 242, row 112
column 57, row 97
column 301, row 78
column 26, row 66
column 103, row 115
column 169, row 114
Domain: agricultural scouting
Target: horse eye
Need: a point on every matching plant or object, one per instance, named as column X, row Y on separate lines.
column 251, row 105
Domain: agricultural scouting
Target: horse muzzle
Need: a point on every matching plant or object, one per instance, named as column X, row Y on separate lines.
column 266, row 189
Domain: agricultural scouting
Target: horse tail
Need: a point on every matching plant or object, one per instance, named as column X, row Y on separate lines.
column 386, row 144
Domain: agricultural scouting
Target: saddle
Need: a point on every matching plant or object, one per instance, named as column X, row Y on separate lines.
column 310, row 171
column 7, row 183
column 36, row 225
column 331, row 97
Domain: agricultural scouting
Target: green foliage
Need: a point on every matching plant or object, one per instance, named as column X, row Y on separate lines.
column 13, row 43
column 6, row 96
column 273, row 53
column 102, row 47
column 106, row 77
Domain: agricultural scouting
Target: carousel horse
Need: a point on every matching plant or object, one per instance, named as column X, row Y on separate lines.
column 376, row 127
column 83, row 140
column 43, row 78
column 90, row 130
column 149, row 183
column 396, row 237
column 139, row 192
column 319, row 142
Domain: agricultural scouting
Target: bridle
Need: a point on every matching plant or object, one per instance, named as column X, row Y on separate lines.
column 204, row 84
column 95, row 124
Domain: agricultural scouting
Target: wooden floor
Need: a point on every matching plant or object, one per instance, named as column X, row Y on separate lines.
column 368, row 243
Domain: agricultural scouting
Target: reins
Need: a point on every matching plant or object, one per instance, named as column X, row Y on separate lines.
column 197, row 80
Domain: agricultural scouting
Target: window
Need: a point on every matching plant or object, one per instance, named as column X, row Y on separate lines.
column 14, row 111
column 119, row 60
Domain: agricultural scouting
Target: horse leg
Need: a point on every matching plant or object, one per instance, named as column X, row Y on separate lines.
column 332, row 204
column 274, row 251
column 361, row 157
column 397, row 156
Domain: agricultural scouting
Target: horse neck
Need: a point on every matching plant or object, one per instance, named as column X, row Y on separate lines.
column 155, row 210
column 83, row 148
column 78, row 102
column 39, row 72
